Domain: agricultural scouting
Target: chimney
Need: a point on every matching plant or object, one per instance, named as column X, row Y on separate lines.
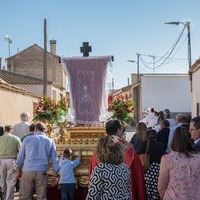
column 53, row 47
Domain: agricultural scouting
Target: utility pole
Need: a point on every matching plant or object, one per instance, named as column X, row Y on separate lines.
column 138, row 67
column 187, row 25
column 153, row 64
column 45, row 60
column 138, row 87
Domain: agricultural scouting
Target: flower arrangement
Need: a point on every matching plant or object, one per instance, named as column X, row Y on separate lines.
column 48, row 110
column 122, row 108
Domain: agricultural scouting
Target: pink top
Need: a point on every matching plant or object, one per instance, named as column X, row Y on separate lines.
column 179, row 177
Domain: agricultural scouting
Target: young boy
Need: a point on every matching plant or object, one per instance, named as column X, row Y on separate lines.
column 67, row 179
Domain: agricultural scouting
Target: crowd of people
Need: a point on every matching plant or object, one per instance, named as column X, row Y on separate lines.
column 115, row 169
column 25, row 151
column 174, row 154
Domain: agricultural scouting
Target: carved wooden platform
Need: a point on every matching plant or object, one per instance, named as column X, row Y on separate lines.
column 86, row 138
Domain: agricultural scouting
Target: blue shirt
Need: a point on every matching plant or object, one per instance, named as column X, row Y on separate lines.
column 67, row 169
column 171, row 135
column 35, row 153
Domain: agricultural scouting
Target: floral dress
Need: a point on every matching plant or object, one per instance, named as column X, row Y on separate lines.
column 184, row 177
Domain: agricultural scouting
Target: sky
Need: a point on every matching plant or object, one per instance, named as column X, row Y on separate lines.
column 112, row 27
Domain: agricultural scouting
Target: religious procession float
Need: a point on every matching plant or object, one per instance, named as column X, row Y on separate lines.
column 81, row 122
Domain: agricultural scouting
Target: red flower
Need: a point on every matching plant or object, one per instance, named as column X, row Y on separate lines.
column 122, row 96
column 110, row 98
column 122, row 108
column 48, row 110
column 118, row 112
column 44, row 107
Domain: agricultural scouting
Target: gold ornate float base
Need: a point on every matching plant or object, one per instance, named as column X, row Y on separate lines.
column 86, row 138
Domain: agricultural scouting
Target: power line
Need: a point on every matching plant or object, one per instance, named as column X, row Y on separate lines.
column 163, row 57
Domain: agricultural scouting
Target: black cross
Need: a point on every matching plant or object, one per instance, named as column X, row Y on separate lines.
column 85, row 49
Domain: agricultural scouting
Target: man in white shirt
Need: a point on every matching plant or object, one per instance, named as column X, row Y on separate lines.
column 22, row 128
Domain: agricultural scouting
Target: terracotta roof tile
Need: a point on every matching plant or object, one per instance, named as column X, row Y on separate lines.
column 15, row 78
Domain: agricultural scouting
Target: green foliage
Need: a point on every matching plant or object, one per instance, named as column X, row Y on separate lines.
column 122, row 108
column 48, row 110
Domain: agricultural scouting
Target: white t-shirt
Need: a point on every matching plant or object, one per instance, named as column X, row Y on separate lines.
column 21, row 129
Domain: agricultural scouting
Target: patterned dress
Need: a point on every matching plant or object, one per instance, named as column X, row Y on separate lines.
column 184, row 177
column 151, row 179
column 156, row 151
column 110, row 181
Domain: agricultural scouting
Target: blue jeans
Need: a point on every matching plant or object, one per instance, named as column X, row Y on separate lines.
column 67, row 191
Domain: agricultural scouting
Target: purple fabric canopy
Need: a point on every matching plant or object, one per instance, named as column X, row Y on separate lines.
column 87, row 77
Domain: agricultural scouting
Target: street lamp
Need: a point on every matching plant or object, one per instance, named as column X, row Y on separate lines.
column 137, row 88
column 138, row 66
column 8, row 39
column 187, row 25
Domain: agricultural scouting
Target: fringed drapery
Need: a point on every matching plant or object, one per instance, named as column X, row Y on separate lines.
column 87, row 77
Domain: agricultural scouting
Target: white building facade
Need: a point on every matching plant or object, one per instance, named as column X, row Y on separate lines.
column 162, row 91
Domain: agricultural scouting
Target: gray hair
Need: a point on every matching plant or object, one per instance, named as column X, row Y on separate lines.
column 167, row 112
column 24, row 116
column 179, row 117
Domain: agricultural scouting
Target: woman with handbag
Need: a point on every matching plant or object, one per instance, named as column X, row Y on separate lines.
column 140, row 136
column 155, row 150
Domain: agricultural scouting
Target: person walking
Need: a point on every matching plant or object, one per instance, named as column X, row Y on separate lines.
column 113, row 128
column 31, row 131
column 22, row 128
column 163, row 134
column 1, row 130
column 155, row 150
column 179, row 176
column 67, row 178
column 140, row 136
column 178, row 122
column 33, row 160
column 195, row 132
column 111, row 178
column 9, row 148
column 167, row 116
